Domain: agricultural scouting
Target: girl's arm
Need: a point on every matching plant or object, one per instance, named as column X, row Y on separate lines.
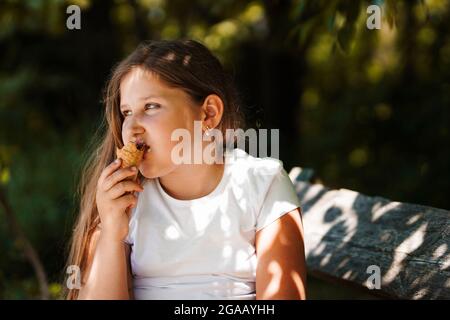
column 107, row 272
column 281, row 268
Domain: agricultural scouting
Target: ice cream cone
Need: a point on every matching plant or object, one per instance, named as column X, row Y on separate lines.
column 131, row 155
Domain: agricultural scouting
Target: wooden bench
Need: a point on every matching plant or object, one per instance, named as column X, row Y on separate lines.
column 349, row 235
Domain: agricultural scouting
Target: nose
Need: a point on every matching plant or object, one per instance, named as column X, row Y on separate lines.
column 134, row 129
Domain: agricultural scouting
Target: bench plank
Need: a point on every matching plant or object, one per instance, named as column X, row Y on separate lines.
column 346, row 232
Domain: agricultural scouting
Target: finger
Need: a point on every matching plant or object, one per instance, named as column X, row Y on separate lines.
column 118, row 176
column 129, row 210
column 113, row 166
column 127, row 201
column 123, row 187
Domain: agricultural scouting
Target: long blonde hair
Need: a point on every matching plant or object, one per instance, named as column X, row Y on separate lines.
column 184, row 64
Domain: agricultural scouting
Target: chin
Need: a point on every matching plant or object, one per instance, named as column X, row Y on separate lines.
column 149, row 170
column 152, row 171
column 147, row 173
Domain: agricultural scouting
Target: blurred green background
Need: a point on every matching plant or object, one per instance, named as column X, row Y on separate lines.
column 367, row 109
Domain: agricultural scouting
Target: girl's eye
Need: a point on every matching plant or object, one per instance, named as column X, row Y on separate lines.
column 149, row 106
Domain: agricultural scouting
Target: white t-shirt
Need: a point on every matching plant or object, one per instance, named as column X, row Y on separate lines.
column 205, row 248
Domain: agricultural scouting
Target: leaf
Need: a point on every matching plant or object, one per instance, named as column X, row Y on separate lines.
column 5, row 176
column 298, row 8
column 304, row 31
column 345, row 37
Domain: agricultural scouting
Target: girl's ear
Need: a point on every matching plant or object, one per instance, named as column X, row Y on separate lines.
column 212, row 111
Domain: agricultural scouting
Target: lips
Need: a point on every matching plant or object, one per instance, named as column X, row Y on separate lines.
column 142, row 146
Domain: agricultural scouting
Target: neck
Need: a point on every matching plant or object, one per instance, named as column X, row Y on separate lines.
column 193, row 181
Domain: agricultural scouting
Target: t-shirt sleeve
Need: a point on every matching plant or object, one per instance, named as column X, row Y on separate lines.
column 280, row 199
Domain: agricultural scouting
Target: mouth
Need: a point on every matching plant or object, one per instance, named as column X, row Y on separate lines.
column 142, row 146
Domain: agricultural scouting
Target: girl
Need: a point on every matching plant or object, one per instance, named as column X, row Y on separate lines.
column 230, row 229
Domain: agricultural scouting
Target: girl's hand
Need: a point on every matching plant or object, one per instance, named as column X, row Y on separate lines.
column 114, row 197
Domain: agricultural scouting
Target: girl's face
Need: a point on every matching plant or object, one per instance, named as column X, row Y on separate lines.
column 152, row 111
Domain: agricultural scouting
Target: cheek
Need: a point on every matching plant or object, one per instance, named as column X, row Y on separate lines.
column 125, row 135
column 162, row 139
column 165, row 126
column 165, row 139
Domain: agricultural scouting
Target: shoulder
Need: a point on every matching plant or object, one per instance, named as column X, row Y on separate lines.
column 255, row 177
column 257, row 171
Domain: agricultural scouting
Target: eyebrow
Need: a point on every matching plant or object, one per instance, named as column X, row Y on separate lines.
column 142, row 99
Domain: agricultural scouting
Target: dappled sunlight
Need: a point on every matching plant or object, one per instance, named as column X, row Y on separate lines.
column 281, row 276
column 170, row 56
column 275, row 272
column 408, row 245
column 221, row 36
column 345, row 201
column 225, row 222
column 227, row 251
column 413, row 219
column 186, row 60
column 413, row 241
column 224, row 233
column 347, row 275
column 440, row 251
column 172, row 233
column 379, row 210
column 319, row 249
column 346, row 232
column 325, row 259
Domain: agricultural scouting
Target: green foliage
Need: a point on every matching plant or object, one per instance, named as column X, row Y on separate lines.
column 367, row 109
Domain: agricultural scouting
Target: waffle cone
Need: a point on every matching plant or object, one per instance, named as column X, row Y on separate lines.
column 130, row 155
